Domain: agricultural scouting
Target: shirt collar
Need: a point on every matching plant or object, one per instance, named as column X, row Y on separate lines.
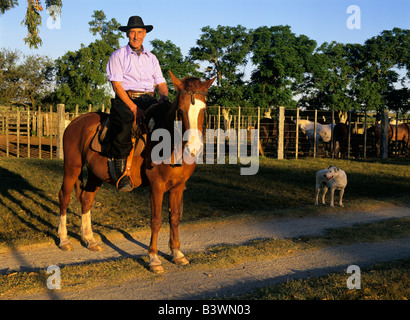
column 130, row 51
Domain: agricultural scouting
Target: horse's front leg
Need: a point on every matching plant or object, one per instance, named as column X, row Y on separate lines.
column 157, row 194
column 175, row 200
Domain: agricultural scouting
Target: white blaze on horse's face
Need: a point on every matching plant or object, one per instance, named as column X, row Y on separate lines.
column 194, row 135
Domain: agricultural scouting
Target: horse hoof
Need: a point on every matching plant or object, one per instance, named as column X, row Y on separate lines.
column 66, row 247
column 181, row 261
column 158, row 269
column 95, row 247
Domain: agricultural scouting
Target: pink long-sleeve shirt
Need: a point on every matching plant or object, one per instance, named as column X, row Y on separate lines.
column 135, row 72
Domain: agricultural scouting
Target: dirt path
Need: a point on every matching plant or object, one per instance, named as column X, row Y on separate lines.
column 224, row 281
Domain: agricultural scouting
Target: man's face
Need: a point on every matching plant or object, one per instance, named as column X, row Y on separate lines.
column 136, row 37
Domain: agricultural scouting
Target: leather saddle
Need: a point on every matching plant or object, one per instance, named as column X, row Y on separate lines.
column 100, row 143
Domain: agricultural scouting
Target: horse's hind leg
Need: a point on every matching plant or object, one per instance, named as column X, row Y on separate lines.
column 86, row 196
column 71, row 175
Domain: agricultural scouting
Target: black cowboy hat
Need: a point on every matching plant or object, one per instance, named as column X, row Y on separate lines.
column 136, row 22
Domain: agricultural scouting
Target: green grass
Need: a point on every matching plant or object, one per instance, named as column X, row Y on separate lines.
column 29, row 195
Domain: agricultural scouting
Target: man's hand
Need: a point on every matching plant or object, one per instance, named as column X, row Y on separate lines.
column 139, row 114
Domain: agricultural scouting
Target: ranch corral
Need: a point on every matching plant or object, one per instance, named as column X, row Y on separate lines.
column 348, row 135
column 290, row 133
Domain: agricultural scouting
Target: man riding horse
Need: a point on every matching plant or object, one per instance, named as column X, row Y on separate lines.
column 134, row 73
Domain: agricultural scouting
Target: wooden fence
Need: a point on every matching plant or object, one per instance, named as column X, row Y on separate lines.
column 38, row 134
column 34, row 134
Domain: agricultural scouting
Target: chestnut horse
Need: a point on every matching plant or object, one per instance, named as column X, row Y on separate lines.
column 403, row 134
column 189, row 108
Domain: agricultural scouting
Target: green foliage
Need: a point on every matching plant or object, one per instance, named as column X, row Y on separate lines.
column 33, row 18
column 171, row 58
column 24, row 80
column 9, row 75
column 81, row 75
column 281, row 58
column 7, row 5
column 107, row 30
column 226, row 49
column 328, row 83
column 285, row 66
column 376, row 76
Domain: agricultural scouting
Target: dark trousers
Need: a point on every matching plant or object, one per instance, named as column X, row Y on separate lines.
column 122, row 119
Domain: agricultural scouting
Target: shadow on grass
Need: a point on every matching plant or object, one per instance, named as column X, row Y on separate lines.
column 16, row 193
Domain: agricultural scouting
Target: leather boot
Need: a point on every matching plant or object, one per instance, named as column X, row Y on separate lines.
column 125, row 183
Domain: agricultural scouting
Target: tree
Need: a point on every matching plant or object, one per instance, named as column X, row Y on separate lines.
column 398, row 99
column 226, row 49
column 328, row 82
column 36, row 78
column 81, row 74
column 281, row 58
column 107, row 30
column 9, row 75
column 376, row 63
column 24, row 83
column 33, row 18
column 171, row 58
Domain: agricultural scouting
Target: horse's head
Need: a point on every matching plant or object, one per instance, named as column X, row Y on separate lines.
column 191, row 106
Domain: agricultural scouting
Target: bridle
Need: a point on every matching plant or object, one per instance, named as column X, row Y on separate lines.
column 178, row 110
column 192, row 94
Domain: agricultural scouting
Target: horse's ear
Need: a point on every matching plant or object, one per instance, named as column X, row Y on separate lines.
column 177, row 83
column 208, row 83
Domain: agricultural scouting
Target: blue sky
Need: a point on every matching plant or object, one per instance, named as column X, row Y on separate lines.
column 181, row 20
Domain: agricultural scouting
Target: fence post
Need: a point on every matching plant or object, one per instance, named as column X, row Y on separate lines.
column 365, row 135
column 28, row 132
column 332, row 127
column 50, row 123
column 18, row 132
column 349, row 134
column 397, row 125
column 314, row 136
column 60, row 130
column 239, row 131
column 384, row 139
column 259, row 125
column 281, row 128
column 7, row 134
column 39, row 130
column 297, row 134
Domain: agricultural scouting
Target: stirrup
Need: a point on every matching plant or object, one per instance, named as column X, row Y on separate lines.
column 124, row 183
